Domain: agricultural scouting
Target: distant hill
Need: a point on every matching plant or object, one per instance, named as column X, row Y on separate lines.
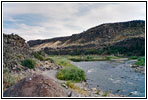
column 93, row 38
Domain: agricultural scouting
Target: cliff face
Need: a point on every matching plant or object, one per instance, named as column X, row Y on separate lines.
column 96, row 37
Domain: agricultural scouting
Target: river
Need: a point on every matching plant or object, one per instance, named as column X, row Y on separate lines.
column 113, row 76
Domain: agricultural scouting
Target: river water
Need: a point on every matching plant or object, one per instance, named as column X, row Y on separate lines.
column 116, row 77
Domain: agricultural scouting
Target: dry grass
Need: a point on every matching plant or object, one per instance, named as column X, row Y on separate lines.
column 10, row 79
column 76, row 88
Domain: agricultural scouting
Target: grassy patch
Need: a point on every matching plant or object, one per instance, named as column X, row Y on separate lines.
column 91, row 58
column 38, row 56
column 111, row 57
column 105, row 93
column 141, row 61
column 71, row 73
column 72, row 85
column 28, row 63
column 86, row 58
column 9, row 79
column 98, row 91
column 41, row 56
column 61, row 60
column 133, row 57
column 51, row 60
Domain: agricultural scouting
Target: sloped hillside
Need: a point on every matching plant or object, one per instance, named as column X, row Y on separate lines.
column 20, row 61
column 95, row 37
column 15, row 49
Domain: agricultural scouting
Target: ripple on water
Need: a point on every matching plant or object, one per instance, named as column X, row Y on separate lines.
column 90, row 71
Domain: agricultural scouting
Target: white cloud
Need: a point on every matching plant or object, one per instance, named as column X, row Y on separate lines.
column 63, row 19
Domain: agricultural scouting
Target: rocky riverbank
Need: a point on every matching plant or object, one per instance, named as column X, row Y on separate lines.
column 140, row 69
column 33, row 79
column 82, row 89
column 137, row 68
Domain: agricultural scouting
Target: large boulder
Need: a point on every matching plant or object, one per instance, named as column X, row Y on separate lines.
column 35, row 86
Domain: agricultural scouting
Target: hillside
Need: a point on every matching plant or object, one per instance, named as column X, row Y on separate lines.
column 16, row 52
column 15, row 49
column 96, row 37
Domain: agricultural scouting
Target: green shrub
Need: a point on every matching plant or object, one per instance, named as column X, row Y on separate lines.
column 133, row 57
column 141, row 61
column 89, row 57
column 108, row 58
column 38, row 56
column 28, row 63
column 51, row 60
column 71, row 73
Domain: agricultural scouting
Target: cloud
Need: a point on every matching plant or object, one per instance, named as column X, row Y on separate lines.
column 48, row 20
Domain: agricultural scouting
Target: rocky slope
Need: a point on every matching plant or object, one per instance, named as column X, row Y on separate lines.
column 15, row 49
column 96, row 37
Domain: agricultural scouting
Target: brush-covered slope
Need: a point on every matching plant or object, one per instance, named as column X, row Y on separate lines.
column 96, row 37
column 15, row 49
column 20, row 61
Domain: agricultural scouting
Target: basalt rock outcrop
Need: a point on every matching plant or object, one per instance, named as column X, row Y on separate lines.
column 35, row 86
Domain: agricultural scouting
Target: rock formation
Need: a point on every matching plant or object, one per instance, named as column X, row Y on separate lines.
column 35, row 86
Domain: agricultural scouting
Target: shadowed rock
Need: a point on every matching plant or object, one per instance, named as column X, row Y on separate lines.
column 35, row 86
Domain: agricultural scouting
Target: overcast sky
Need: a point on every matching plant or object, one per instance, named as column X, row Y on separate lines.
column 48, row 20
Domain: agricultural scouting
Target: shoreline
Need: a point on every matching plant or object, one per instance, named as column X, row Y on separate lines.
column 83, row 91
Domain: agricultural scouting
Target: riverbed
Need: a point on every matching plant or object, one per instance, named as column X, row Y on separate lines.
column 116, row 77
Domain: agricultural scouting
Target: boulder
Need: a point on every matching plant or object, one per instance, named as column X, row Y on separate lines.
column 35, row 86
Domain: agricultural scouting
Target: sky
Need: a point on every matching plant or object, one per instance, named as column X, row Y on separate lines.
column 48, row 20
